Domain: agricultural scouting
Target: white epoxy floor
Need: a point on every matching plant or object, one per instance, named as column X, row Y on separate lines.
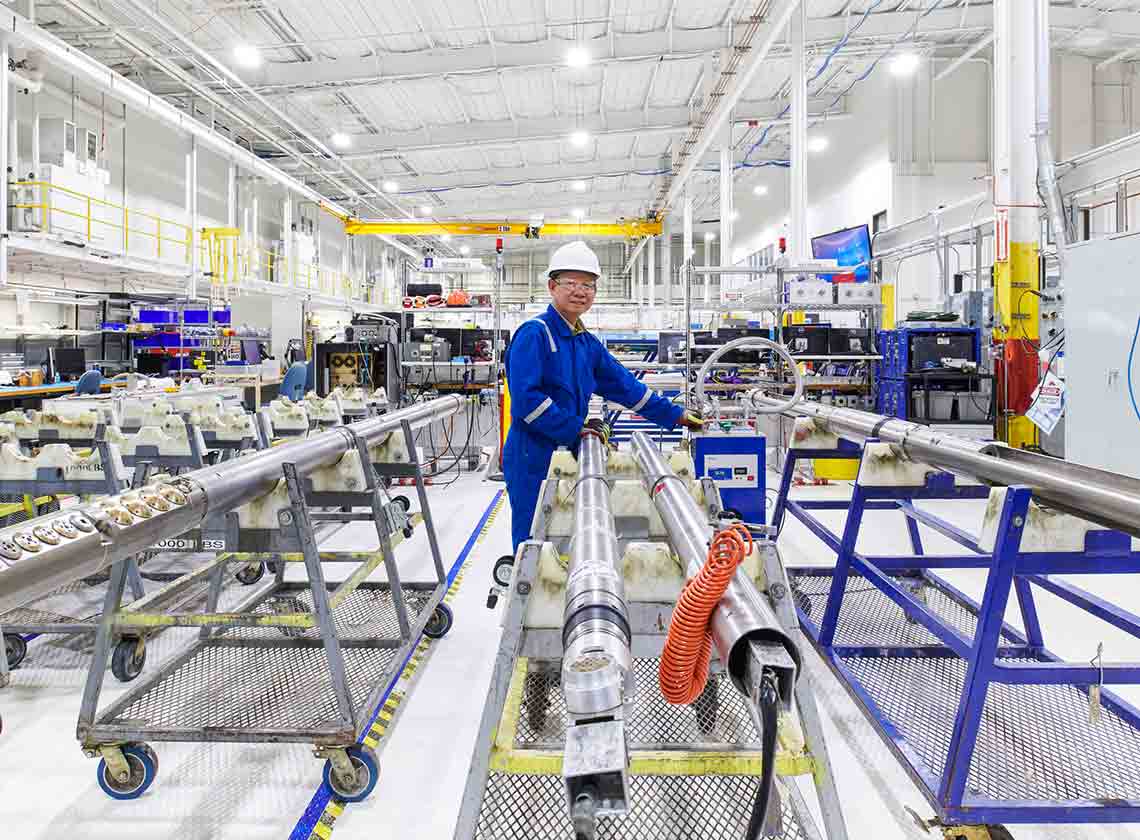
column 48, row 789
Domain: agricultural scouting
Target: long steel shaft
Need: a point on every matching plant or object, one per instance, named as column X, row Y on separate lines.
column 1096, row 495
column 38, row 557
column 597, row 668
column 743, row 614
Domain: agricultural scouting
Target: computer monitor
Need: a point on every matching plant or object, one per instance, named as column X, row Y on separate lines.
column 151, row 364
column 70, row 362
column 250, row 351
column 850, row 246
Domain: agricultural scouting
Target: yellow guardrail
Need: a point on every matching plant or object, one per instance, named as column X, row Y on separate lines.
column 43, row 207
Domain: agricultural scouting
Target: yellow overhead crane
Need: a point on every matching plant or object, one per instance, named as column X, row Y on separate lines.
column 626, row 228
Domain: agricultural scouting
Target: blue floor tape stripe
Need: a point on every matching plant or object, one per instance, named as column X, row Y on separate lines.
column 320, row 800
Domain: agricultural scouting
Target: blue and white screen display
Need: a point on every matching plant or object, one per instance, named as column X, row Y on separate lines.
column 847, row 247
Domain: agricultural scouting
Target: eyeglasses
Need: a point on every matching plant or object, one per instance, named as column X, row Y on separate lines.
column 585, row 285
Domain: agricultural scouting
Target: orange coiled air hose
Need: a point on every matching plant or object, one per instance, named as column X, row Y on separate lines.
column 684, row 666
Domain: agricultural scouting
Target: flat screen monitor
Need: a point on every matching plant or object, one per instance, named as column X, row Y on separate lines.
column 250, row 351
column 151, row 364
column 851, row 246
column 70, row 361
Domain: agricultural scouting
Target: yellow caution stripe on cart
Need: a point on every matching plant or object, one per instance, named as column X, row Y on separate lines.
column 324, row 825
column 506, row 758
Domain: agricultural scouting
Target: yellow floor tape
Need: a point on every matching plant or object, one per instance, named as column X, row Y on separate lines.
column 324, row 826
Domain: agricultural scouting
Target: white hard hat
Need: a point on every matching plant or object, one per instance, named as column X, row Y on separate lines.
column 575, row 256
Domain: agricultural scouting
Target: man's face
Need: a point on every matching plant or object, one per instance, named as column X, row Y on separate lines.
column 573, row 293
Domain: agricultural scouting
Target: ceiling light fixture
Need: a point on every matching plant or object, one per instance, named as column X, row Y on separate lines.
column 578, row 213
column 579, row 186
column 760, row 189
column 709, row 236
column 577, row 57
column 391, row 187
column 905, row 64
column 341, row 140
column 734, row 215
column 247, row 55
column 426, row 210
column 817, row 144
column 465, row 249
column 445, row 237
column 580, row 138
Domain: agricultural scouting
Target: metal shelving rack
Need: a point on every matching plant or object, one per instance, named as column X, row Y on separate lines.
column 869, row 312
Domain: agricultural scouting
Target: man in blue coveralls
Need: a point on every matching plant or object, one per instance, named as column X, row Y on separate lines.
column 554, row 366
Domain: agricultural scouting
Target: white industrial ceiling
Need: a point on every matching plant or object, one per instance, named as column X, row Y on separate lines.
column 468, row 105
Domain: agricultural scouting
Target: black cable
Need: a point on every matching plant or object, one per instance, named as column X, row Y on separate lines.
column 769, row 700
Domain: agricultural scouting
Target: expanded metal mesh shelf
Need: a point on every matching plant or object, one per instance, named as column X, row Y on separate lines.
column 39, row 612
column 719, row 719
column 869, row 617
column 367, row 613
column 663, row 808
column 1035, row 742
column 219, row 686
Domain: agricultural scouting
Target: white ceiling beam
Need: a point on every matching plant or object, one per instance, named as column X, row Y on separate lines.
column 632, row 46
column 612, row 168
column 556, row 206
column 511, row 133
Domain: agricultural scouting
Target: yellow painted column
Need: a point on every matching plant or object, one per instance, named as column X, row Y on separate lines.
column 1016, row 279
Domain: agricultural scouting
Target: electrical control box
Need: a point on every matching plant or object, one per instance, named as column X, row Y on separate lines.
column 810, row 291
column 57, row 142
column 850, row 294
column 432, row 350
column 734, row 460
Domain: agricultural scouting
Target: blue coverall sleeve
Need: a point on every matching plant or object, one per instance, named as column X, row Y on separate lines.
column 616, row 383
column 529, row 403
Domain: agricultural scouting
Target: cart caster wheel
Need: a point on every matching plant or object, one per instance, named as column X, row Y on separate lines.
column 439, row 623
column 143, row 764
column 492, row 598
column 706, row 706
column 128, row 659
column 15, row 649
column 249, row 575
column 408, row 531
column 403, row 502
column 504, row 567
column 367, row 772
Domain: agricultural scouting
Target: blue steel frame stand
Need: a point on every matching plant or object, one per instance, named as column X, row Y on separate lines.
column 1005, row 761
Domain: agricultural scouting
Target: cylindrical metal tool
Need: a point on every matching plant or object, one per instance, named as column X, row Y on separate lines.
column 597, row 669
column 1099, row 496
column 38, row 557
column 743, row 614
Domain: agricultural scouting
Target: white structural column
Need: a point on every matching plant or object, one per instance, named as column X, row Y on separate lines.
column 1016, row 200
column 231, row 195
column 635, row 281
column 797, row 234
column 651, row 271
column 667, row 261
column 708, row 263
column 195, row 233
column 687, row 253
column 5, row 109
column 1015, row 153
column 727, row 205
column 286, row 270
